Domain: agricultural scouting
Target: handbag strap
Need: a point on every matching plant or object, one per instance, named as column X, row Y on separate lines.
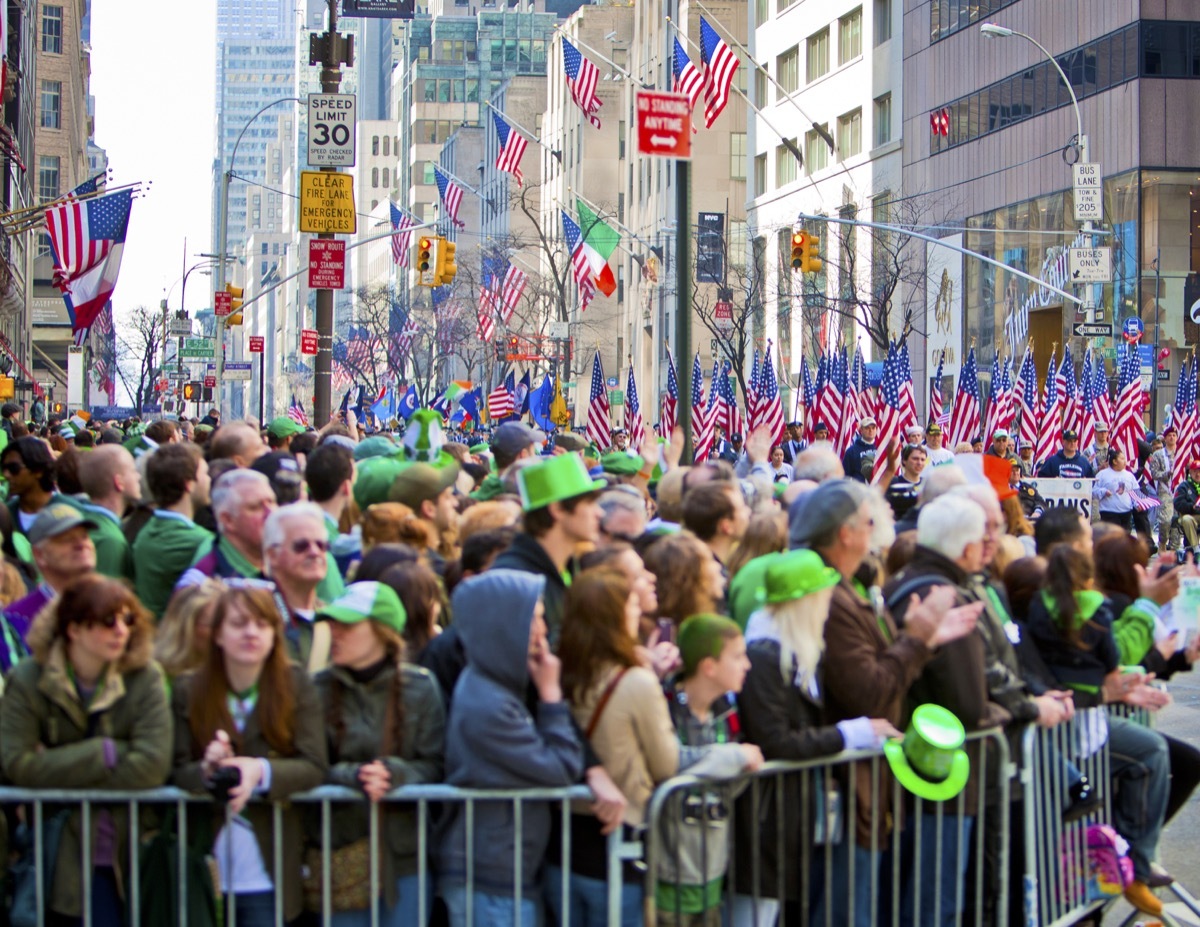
column 603, row 703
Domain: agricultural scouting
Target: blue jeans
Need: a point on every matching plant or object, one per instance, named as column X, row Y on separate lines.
column 1142, row 770
column 942, row 878
column 865, row 864
column 254, row 909
column 489, row 910
column 406, row 913
column 588, row 899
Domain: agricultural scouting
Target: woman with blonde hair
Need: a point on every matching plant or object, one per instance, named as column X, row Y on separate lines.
column 689, row 578
column 248, row 723
column 391, row 523
column 182, row 640
column 88, row 711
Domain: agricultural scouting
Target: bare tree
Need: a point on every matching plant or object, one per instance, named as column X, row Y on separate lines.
column 139, row 352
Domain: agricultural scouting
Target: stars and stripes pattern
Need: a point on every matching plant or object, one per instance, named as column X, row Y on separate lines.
column 402, row 224
column 964, row 419
column 687, row 77
column 580, row 268
column 670, row 403
column 720, row 64
column 402, row 329
column 848, row 416
column 702, row 424
column 583, row 78
column 890, row 411
column 499, row 403
column 935, row 390
column 1027, row 400
column 87, row 240
column 1050, row 420
column 1185, row 420
column 451, row 194
column 1008, row 394
column 634, row 425
column 104, row 359
column 770, row 406
column 715, row 407
column 908, row 400
column 485, row 330
column 598, row 429
column 858, row 381
column 1087, row 403
column 730, row 416
column 752, row 392
column 512, row 147
column 1127, row 428
column 806, row 394
column 995, row 408
column 1100, row 391
column 1064, row 381
column 512, row 287
column 296, row 412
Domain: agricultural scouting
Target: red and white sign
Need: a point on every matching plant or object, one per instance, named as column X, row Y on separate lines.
column 723, row 315
column 210, row 381
column 326, row 264
column 308, row 341
column 257, row 344
column 222, row 303
column 664, row 124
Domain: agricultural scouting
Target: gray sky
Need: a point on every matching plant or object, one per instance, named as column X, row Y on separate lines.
column 152, row 77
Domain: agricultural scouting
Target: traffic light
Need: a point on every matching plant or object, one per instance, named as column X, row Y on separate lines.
column 446, row 268
column 799, row 242
column 810, row 261
column 235, row 304
column 191, row 392
column 8, row 388
column 514, row 346
column 427, row 258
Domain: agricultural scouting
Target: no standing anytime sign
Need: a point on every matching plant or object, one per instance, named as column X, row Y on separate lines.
column 664, row 124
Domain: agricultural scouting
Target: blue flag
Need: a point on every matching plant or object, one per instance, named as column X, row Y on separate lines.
column 468, row 404
column 409, row 404
column 539, row 404
column 345, row 406
column 384, row 407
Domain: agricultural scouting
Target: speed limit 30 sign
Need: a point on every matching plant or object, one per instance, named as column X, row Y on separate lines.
column 331, row 129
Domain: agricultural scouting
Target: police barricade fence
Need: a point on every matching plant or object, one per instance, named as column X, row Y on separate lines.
column 147, row 809
column 857, row 860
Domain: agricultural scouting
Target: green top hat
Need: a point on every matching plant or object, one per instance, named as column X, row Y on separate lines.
column 553, row 480
column 367, row 601
column 796, row 574
column 423, row 438
column 930, row 761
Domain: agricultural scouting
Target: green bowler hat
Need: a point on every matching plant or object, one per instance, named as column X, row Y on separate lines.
column 553, row 480
column 930, row 761
column 796, row 574
column 366, row 601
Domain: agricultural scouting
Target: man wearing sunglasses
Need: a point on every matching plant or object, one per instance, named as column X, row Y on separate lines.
column 28, row 466
column 296, row 551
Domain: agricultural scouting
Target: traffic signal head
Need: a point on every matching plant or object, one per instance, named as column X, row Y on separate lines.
column 799, row 242
column 235, row 297
column 428, row 254
column 190, row 391
column 446, row 267
column 810, row 262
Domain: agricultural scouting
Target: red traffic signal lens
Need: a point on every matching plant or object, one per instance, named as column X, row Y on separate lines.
column 426, row 244
column 798, row 239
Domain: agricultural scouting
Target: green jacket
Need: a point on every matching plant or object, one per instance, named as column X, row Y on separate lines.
column 489, row 489
column 418, row 759
column 1134, row 631
column 114, row 557
column 303, row 769
column 50, row 739
column 163, row 551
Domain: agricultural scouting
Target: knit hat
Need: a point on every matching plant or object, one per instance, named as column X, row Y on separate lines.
column 702, row 636
column 366, row 601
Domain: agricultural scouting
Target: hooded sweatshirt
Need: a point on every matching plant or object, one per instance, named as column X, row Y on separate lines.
column 493, row 742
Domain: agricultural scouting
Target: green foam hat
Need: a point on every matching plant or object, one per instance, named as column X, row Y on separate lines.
column 423, row 438
column 930, row 761
column 796, row 574
column 748, row 588
column 375, row 446
column 621, row 464
column 373, row 479
column 366, row 601
column 553, row 480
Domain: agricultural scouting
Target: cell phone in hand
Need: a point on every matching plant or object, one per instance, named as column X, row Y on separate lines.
column 666, row 630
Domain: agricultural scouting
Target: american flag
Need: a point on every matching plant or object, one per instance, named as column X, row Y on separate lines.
column 908, row 400
column 730, row 415
column 1184, row 419
column 891, row 426
column 770, row 406
column 995, row 406
column 499, row 402
column 839, row 377
column 105, row 355
column 599, row 428
column 402, row 328
column 579, row 262
column 451, row 194
column 89, row 187
column 807, row 396
column 402, row 224
column 296, row 412
column 935, row 391
column 582, row 78
column 720, row 63
column 1050, row 420
column 486, row 329
column 752, row 393
column 688, row 79
column 1027, row 399
column 1068, row 392
column 512, row 147
column 633, row 413
column 702, row 423
column 1100, row 394
column 1142, row 502
column 1128, row 427
column 858, row 377
column 670, row 403
column 1087, row 403
column 512, row 286
column 830, row 399
column 87, row 240
column 964, row 419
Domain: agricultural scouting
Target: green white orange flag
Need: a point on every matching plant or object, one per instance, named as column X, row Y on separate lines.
column 599, row 242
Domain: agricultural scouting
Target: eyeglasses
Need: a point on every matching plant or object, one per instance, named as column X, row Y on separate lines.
column 13, row 467
column 302, row 545
column 125, row 616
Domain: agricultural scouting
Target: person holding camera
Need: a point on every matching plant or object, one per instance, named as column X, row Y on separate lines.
column 249, row 724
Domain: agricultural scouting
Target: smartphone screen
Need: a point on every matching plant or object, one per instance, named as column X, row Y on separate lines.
column 666, row 630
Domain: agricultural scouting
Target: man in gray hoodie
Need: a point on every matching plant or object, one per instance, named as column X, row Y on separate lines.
column 494, row 742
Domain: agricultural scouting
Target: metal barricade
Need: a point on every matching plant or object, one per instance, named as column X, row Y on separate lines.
column 424, row 799
column 914, row 856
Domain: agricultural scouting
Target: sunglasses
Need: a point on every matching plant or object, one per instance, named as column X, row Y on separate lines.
column 13, row 467
column 303, row 545
column 110, row 621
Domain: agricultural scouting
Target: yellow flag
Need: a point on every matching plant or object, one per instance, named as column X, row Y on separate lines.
column 558, row 406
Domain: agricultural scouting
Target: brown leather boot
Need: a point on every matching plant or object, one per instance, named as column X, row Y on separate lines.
column 1139, row 895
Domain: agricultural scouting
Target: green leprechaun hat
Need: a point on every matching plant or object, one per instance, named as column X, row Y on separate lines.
column 930, row 761
column 423, row 438
column 554, row 479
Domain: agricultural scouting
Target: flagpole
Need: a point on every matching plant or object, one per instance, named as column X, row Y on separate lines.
column 30, row 216
column 618, row 223
column 562, row 33
column 524, row 131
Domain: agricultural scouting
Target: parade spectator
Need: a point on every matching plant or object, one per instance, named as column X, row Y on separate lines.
column 622, row 515
column 295, row 545
column 281, row 431
column 385, row 727
column 249, row 724
column 177, row 477
column 689, row 578
column 1187, row 506
column 511, row 441
column 718, row 515
column 494, row 741
column 110, row 478
column 1114, row 489
column 238, row 442
column 28, row 466
column 241, row 502
column 420, row 593
column 781, row 472
column 429, row 492
column 794, row 443
column 902, row 490
column 88, row 710
column 184, row 632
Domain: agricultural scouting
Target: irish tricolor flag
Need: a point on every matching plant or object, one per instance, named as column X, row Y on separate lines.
column 599, row 242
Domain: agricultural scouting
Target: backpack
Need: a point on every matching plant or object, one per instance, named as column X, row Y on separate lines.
column 1109, row 870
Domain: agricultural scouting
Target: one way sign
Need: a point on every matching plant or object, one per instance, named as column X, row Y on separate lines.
column 1093, row 329
column 1089, row 265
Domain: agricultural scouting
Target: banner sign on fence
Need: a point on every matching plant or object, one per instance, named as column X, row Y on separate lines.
column 1059, row 491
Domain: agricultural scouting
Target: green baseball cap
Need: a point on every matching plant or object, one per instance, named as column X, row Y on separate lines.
column 284, row 427
column 930, row 761
column 621, row 464
column 366, row 601
column 553, row 480
column 796, row 574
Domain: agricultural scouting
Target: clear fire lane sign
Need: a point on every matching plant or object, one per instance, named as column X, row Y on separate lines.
column 331, row 129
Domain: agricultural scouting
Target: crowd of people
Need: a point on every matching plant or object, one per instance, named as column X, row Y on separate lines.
column 252, row 612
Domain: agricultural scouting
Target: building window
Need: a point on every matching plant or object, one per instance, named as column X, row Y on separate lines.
column 762, row 11
column 737, row 156
column 375, row 177
column 883, row 21
column 849, row 138
column 387, row 145
column 787, row 70
column 427, row 177
column 816, row 153
column 883, row 119
column 48, row 169
column 760, row 87
column 387, row 177
column 781, row 5
column 51, row 104
column 374, row 144
column 760, row 175
column 850, row 36
column 818, row 54
column 52, row 29
column 785, row 166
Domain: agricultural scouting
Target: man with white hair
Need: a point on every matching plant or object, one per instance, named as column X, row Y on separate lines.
column 241, row 502
column 622, row 515
column 818, row 462
column 295, row 547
